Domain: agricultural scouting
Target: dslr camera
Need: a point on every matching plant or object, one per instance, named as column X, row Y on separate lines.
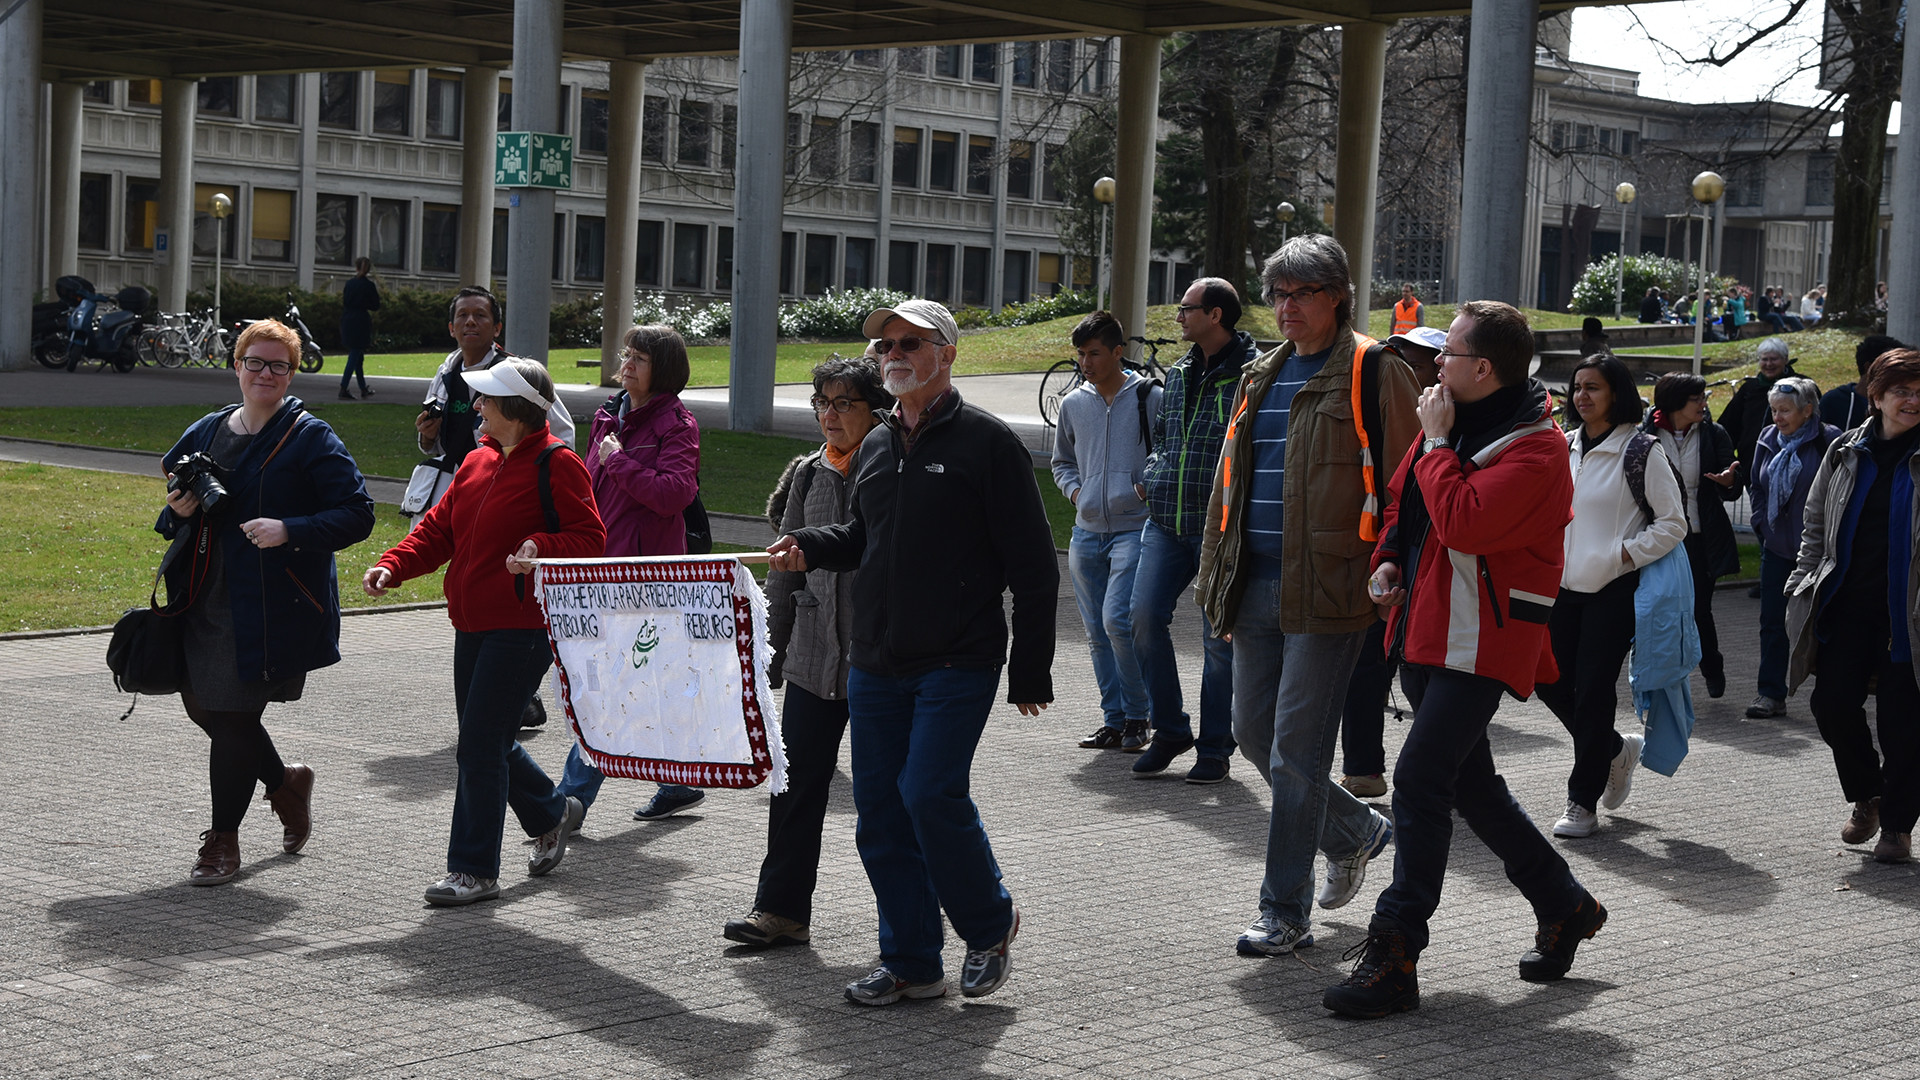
column 199, row 474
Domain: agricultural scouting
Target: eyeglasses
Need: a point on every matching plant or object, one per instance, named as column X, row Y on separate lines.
column 907, row 344
column 278, row 367
column 1297, row 296
column 1184, row 308
column 628, row 356
column 841, row 404
column 1903, row 393
column 1444, row 355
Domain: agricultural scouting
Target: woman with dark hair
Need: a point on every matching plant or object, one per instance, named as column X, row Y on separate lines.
column 1703, row 452
column 1785, row 460
column 810, row 627
column 359, row 299
column 644, row 457
column 1627, row 512
column 262, row 602
column 1853, row 607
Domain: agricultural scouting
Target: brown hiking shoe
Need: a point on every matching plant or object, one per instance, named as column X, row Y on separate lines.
column 1554, row 943
column 1863, row 824
column 1894, row 847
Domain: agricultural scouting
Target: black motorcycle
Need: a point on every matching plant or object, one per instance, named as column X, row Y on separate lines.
column 311, row 358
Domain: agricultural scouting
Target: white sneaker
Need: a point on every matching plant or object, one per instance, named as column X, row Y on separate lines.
column 1620, row 777
column 551, row 846
column 457, row 889
column 1577, row 821
column 1345, row 875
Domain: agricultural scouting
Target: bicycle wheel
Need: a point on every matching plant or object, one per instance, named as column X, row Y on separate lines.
column 173, row 348
column 1059, row 381
column 151, row 346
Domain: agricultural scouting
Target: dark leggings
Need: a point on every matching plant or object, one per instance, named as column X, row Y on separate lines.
column 242, row 755
column 1591, row 635
column 1712, row 665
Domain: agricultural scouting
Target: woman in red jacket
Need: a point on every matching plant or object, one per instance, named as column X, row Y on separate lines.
column 487, row 530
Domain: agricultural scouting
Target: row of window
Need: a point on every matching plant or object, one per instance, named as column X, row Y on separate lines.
column 1574, row 137
column 1060, row 66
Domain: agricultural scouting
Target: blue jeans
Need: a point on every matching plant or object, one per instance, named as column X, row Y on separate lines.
column 495, row 674
column 1289, row 691
column 1773, row 624
column 356, row 365
column 1103, row 565
column 582, row 780
column 1447, row 765
column 919, row 833
column 1167, row 565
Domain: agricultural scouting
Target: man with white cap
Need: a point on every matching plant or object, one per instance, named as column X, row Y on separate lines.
column 946, row 517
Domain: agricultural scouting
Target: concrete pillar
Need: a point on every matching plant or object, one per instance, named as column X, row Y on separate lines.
column 1903, row 237
column 629, row 95
column 178, row 101
column 1363, row 61
column 306, row 209
column 1133, row 178
column 883, row 201
column 63, row 188
column 1493, row 178
column 766, row 38
column 479, row 108
column 1003, row 149
column 19, row 128
column 536, row 107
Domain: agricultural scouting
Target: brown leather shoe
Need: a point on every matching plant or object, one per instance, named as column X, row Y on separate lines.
column 1894, row 847
column 293, row 801
column 219, row 858
column 1863, row 824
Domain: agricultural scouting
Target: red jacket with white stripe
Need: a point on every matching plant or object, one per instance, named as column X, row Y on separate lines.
column 1485, row 538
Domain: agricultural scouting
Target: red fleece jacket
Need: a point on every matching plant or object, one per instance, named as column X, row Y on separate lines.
column 493, row 507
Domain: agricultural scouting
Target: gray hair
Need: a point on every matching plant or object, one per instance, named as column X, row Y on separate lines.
column 1312, row 259
column 1800, row 390
column 1775, row 346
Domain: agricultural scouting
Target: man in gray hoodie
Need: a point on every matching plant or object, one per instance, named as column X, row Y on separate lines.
column 1099, row 456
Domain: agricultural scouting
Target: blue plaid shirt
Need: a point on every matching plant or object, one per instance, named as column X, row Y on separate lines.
column 1188, row 438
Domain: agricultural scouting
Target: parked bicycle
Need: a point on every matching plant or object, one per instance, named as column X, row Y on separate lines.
column 1064, row 377
column 193, row 339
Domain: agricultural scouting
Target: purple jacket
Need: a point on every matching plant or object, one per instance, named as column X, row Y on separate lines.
column 1785, row 541
column 643, row 490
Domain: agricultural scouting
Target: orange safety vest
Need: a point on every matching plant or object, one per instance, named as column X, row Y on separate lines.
column 1370, row 515
column 1406, row 316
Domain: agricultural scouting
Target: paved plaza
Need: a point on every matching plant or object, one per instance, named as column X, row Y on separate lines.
column 1744, row 941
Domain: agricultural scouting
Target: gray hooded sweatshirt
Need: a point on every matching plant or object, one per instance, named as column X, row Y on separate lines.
column 1100, row 451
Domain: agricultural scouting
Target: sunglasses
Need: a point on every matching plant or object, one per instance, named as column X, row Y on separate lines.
column 278, row 367
column 907, row 344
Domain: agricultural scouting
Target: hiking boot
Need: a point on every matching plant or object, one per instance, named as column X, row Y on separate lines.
column 1269, row 936
column 1554, row 942
column 1578, row 821
column 1345, row 875
column 883, row 987
column 1209, row 770
column 1620, row 775
column 1894, row 847
column 1160, row 753
column 1368, row 786
column 765, row 929
column 1382, row 983
column 219, row 858
column 668, row 801
column 1864, row 822
column 1766, row 708
column 457, row 889
column 987, row 969
column 1105, row 738
column 1135, row 736
column 551, row 846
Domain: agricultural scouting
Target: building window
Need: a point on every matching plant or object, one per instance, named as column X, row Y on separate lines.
column 943, row 161
column 973, row 275
column 796, row 140
column 96, row 202
column 1026, row 63
column 393, row 102
column 272, row 226
column 789, row 249
column 818, row 272
column 1606, row 140
column 273, row 98
column 1020, row 169
column 333, row 229
column 901, row 255
column 1097, row 74
column 979, row 165
column 1819, row 180
column 1583, row 137
column 1747, row 184
column 387, row 233
column 1156, row 281
column 857, row 273
column 647, row 253
column 689, row 256
column 439, row 238
column 1629, row 141
column 1014, row 267
column 340, row 100
column 206, row 227
column 696, row 133
column 559, row 246
column 595, row 106
column 986, row 63
column 1060, row 66
column 912, row 61
column 99, row 92
column 729, row 135
column 1049, row 188
column 940, row 273
column 143, row 92
column 143, row 213
column 863, row 154
column 497, row 258
column 1051, row 279
column 215, row 96
column 946, row 60
column 653, row 129
column 723, row 259
column 866, row 58
column 906, row 157
column 589, row 248
column 443, row 105
column 823, row 152
column 503, row 114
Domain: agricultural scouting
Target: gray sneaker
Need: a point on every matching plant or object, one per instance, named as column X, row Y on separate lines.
column 1345, row 875
column 457, row 889
column 987, row 969
column 1766, row 708
column 1268, row 936
column 883, row 987
column 551, row 846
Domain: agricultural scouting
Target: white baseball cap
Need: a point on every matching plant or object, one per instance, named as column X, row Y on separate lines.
column 1427, row 337
column 924, row 314
column 502, row 380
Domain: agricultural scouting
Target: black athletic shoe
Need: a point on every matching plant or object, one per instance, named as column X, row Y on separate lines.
column 535, row 714
column 1105, row 738
column 1382, row 983
column 1135, row 737
column 1553, row 944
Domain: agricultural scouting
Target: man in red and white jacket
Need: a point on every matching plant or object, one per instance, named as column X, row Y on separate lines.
column 1466, row 573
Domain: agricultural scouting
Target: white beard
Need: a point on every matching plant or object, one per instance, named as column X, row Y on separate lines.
column 902, row 381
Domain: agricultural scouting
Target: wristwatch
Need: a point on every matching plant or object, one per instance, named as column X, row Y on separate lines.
column 1432, row 443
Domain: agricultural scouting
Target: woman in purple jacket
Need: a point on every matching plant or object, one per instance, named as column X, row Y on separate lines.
column 644, row 457
column 1785, row 459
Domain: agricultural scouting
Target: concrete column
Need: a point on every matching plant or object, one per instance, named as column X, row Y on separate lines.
column 1003, row 149
column 1493, row 178
column 1903, row 236
column 306, row 209
column 1133, row 178
column 178, row 101
column 1363, row 61
column 63, row 188
column 536, row 107
column 19, row 128
column 629, row 95
column 479, row 107
column 883, row 200
column 766, row 38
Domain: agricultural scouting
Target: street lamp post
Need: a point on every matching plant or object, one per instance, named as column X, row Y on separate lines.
column 1102, row 194
column 1624, row 195
column 1284, row 214
column 221, row 207
column 1707, row 189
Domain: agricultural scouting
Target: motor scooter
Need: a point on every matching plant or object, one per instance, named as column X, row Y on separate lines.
column 311, row 358
column 108, row 335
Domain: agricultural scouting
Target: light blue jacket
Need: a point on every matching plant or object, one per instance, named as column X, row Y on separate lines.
column 1100, row 451
column 1666, row 648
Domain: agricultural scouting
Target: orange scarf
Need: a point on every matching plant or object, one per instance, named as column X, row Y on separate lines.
column 840, row 461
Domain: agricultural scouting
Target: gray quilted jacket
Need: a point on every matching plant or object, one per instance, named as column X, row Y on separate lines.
column 810, row 615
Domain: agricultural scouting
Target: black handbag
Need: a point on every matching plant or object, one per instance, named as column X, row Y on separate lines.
column 147, row 651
